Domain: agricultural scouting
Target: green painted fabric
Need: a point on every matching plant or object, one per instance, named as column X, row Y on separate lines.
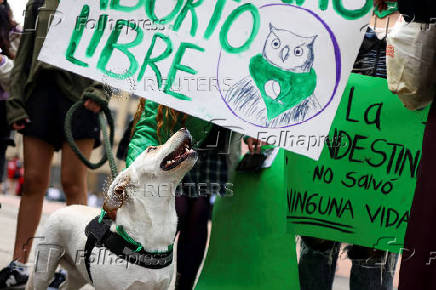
column 249, row 247
column 294, row 87
column 146, row 131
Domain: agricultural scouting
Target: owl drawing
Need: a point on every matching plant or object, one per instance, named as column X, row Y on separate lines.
column 282, row 81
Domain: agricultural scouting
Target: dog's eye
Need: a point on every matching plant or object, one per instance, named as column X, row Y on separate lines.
column 151, row 148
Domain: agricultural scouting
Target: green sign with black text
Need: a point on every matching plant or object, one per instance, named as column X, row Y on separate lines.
column 361, row 189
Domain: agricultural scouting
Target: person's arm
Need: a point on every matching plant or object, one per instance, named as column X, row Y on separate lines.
column 145, row 133
column 22, row 65
column 6, row 66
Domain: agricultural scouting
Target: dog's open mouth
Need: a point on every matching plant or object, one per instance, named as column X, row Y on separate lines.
column 178, row 156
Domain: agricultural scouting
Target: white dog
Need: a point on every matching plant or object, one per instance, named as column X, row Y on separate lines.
column 142, row 200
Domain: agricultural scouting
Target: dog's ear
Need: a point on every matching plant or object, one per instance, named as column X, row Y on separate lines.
column 116, row 196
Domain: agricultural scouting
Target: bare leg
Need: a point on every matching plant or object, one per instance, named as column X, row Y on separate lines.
column 3, row 148
column 74, row 172
column 37, row 159
column 12, row 186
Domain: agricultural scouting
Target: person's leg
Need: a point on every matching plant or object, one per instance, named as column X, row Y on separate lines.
column 74, row 172
column 3, row 148
column 37, row 159
column 12, row 185
column 182, row 209
column 371, row 269
column 317, row 266
column 192, row 239
column 389, row 267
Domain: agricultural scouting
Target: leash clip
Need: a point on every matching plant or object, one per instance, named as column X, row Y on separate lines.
column 97, row 230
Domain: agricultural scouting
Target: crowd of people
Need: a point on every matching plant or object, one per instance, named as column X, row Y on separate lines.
column 29, row 89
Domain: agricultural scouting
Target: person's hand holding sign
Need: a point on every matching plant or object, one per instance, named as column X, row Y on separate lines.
column 254, row 145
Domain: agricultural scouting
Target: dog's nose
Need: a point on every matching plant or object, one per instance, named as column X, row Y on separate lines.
column 186, row 134
column 185, row 131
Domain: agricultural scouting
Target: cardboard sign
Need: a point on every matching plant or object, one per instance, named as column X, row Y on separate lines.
column 361, row 189
column 261, row 68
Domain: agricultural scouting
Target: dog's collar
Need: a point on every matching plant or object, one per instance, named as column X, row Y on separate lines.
column 121, row 244
column 129, row 239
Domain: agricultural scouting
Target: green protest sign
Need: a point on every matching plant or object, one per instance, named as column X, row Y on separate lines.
column 361, row 189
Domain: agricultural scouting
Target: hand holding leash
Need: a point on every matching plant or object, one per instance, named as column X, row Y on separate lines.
column 107, row 140
column 92, row 106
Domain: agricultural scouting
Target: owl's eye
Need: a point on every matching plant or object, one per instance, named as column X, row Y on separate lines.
column 275, row 43
column 298, row 51
column 151, row 148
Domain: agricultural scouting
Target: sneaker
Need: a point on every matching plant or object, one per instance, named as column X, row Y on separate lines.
column 59, row 277
column 13, row 277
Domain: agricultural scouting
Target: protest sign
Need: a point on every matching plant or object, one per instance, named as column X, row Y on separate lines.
column 361, row 189
column 257, row 67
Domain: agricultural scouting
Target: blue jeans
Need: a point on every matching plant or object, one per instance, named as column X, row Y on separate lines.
column 371, row 269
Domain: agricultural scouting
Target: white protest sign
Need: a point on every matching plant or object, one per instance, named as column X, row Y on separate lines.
column 272, row 70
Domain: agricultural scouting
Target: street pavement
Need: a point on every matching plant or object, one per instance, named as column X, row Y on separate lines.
column 8, row 214
column 8, row 222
